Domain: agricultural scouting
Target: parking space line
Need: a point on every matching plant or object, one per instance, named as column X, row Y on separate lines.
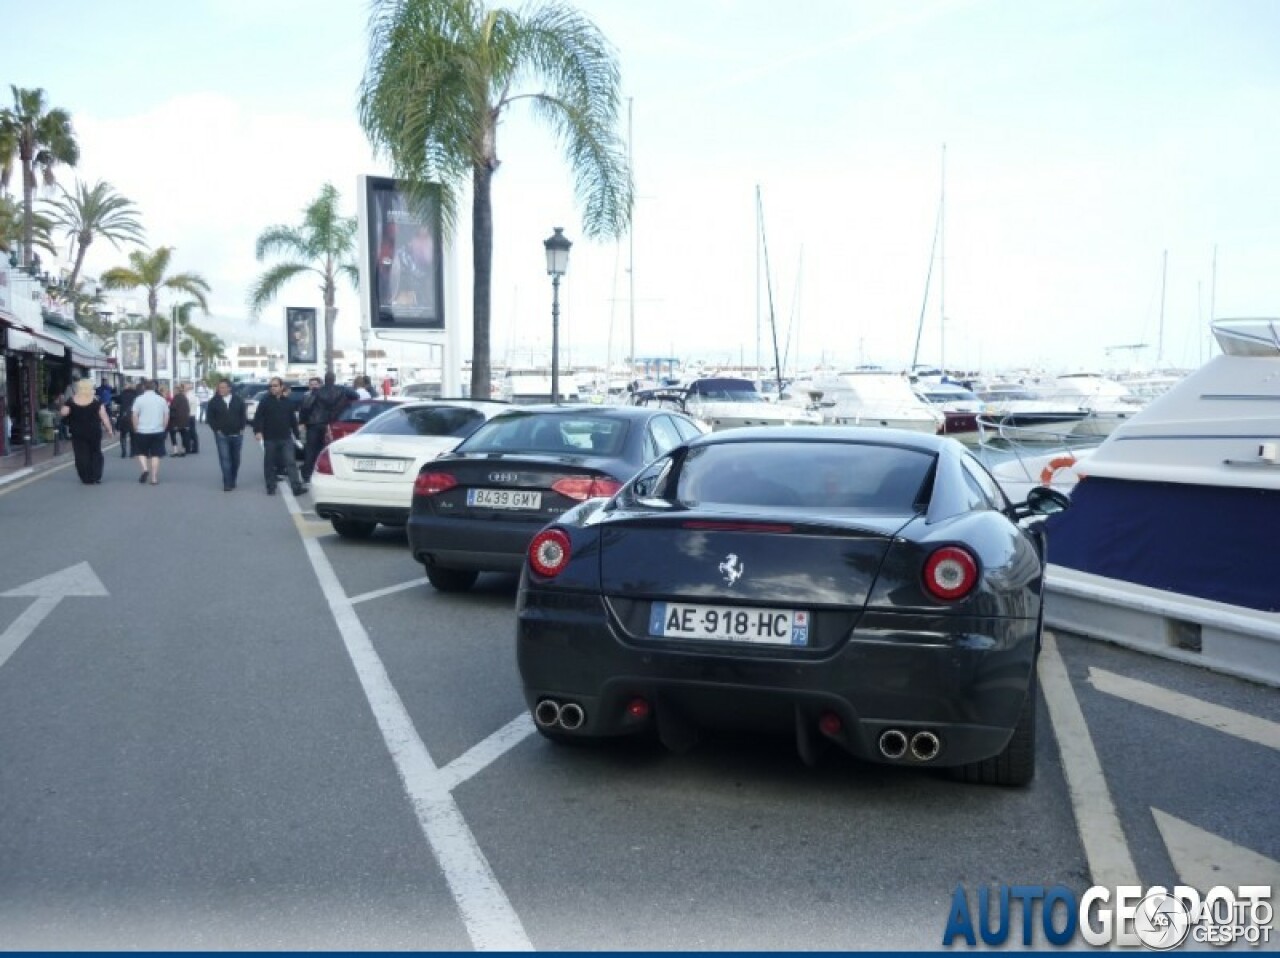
column 389, row 590
column 487, row 913
column 1251, row 728
column 1097, row 822
column 481, row 756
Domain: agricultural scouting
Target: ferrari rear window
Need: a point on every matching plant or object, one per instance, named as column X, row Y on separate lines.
column 455, row 421
column 842, row 477
column 549, row 433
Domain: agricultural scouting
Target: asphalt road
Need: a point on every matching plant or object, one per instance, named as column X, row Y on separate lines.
column 223, row 727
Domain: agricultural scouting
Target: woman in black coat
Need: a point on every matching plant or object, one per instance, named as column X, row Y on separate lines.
column 86, row 420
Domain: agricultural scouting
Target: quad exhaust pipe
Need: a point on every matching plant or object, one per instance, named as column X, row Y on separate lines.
column 549, row 713
column 924, row 746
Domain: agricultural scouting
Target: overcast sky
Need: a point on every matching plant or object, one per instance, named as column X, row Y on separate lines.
column 1083, row 140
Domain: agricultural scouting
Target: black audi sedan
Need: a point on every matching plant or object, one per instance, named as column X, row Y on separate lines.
column 477, row 508
column 870, row 588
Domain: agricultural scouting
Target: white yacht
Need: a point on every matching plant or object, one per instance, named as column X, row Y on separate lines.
column 959, row 406
column 872, row 397
column 1169, row 544
column 726, row 403
column 1014, row 412
column 530, row 385
column 1107, row 402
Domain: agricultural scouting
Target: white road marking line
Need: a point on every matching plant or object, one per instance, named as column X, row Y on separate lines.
column 1203, row 860
column 481, row 756
column 490, row 920
column 24, row 477
column 1251, row 728
column 1098, row 824
column 48, row 591
column 389, row 590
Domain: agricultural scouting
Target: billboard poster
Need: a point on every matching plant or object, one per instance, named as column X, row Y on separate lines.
column 405, row 265
column 300, row 323
column 162, row 360
column 135, row 353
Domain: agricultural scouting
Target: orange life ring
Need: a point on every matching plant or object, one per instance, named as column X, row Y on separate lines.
column 1053, row 465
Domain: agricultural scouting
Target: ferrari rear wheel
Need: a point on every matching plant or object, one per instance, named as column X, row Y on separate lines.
column 1016, row 765
column 451, row 580
column 353, row 528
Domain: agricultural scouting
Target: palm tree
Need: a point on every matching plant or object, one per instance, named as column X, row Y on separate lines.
column 11, row 225
column 95, row 211
column 440, row 75
column 324, row 244
column 41, row 139
column 147, row 271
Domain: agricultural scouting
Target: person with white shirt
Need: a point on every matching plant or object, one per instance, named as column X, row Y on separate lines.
column 150, row 425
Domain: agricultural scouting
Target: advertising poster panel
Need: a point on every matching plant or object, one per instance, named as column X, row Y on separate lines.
column 300, row 324
column 405, row 260
column 135, row 353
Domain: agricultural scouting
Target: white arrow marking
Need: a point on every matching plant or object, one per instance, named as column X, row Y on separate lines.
column 1251, row 728
column 78, row 580
column 1203, row 860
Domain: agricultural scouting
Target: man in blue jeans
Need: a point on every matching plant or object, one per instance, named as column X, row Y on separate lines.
column 225, row 414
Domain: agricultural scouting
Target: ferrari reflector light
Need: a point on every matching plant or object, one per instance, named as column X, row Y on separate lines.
column 549, row 552
column 638, row 708
column 433, row 483
column 950, row 573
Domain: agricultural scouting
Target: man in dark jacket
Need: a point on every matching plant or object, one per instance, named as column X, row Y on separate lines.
column 124, row 418
column 321, row 407
column 225, row 415
column 275, row 424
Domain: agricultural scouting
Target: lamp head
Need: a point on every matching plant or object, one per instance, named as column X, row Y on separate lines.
column 557, row 246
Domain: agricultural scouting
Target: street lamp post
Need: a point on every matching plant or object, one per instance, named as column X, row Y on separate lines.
column 557, row 246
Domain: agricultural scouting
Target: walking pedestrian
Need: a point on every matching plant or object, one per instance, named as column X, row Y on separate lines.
column 330, row 400
column 179, row 420
column 86, row 419
column 203, row 395
column 363, row 388
column 275, row 424
column 150, row 422
column 225, row 414
column 192, row 438
column 124, row 417
column 314, row 425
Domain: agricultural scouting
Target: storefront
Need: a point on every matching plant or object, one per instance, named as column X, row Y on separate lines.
column 26, row 358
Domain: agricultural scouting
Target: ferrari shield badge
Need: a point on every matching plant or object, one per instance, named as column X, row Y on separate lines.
column 732, row 568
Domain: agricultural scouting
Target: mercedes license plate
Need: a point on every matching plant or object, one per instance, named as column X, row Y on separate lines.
column 378, row 465
column 720, row 623
column 504, row 499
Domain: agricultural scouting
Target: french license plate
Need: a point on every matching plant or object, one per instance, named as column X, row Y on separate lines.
column 504, row 499
column 721, row 623
column 378, row 465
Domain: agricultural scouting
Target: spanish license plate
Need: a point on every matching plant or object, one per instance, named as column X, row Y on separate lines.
column 378, row 465
column 721, row 623
column 504, row 499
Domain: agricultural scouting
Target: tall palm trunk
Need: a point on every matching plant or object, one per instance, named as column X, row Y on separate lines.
column 482, row 262
column 82, row 247
column 28, row 198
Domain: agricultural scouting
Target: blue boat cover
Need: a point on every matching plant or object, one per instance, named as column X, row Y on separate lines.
column 1214, row 542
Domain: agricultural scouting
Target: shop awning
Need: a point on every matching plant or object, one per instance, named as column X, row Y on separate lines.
column 82, row 354
column 23, row 340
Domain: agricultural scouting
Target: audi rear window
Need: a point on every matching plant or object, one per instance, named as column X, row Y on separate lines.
column 828, row 477
column 549, row 433
column 452, row 421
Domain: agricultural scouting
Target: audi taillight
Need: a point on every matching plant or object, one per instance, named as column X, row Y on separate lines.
column 950, row 573
column 324, row 465
column 549, row 552
column 583, row 488
column 433, row 483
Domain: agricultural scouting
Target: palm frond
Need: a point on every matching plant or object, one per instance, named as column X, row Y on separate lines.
column 268, row 285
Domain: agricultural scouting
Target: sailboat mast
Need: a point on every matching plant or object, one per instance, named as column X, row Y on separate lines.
column 759, row 239
column 942, row 268
column 1164, row 276
column 768, row 281
column 631, row 254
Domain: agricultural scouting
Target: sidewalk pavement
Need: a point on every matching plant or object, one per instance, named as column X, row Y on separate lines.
column 14, row 467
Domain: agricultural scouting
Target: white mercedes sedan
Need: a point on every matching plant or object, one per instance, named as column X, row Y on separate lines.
column 367, row 478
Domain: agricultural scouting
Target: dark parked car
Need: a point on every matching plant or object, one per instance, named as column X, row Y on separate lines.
column 477, row 508
column 358, row 412
column 871, row 588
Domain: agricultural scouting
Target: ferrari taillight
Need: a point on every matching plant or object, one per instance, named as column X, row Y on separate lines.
column 583, row 488
column 433, row 483
column 950, row 573
column 549, row 552
column 324, row 464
